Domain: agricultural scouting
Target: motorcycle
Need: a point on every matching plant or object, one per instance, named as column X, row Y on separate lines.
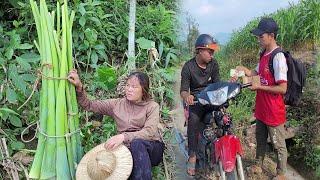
column 219, row 148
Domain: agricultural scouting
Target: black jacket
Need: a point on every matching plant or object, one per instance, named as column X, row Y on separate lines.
column 195, row 79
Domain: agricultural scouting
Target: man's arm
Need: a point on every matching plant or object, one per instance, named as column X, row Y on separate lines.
column 247, row 71
column 277, row 89
column 185, row 85
column 187, row 97
column 184, row 94
column 216, row 72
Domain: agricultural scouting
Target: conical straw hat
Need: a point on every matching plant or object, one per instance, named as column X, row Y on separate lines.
column 101, row 164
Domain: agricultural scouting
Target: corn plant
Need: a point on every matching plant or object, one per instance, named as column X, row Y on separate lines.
column 298, row 23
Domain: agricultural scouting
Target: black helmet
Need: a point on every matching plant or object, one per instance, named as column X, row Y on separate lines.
column 206, row 41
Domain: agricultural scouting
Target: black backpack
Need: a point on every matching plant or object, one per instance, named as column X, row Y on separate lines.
column 296, row 77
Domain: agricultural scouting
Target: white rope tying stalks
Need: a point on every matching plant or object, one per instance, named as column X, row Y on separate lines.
column 67, row 135
column 39, row 76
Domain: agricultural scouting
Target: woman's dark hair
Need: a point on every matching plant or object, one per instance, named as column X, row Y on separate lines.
column 144, row 83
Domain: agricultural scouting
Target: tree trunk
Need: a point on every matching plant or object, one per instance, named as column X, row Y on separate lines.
column 131, row 45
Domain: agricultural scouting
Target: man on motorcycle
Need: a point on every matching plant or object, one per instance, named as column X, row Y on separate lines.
column 196, row 74
column 270, row 111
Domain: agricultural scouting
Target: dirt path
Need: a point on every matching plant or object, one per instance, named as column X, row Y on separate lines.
column 178, row 141
column 180, row 152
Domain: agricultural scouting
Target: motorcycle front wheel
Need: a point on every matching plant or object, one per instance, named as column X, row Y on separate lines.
column 240, row 167
column 235, row 174
column 227, row 175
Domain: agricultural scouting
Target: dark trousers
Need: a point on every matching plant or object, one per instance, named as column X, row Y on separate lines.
column 145, row 154
column 195, row 126
column 277, row 137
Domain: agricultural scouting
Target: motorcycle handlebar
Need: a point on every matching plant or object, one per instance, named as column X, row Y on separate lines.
column 242, row 86
column 245, row 85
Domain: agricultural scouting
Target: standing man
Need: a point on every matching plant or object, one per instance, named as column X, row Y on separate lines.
column 270, row 111
column 196, row 74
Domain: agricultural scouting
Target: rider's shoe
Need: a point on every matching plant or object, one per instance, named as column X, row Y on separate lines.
column 191, row 167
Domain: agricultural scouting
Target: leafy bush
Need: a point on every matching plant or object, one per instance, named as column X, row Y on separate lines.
column 100, row 41
column 96, row 133
column 308, row 141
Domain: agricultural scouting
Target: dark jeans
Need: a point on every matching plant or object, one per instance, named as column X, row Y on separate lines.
column 145, row 154
column 196, row 125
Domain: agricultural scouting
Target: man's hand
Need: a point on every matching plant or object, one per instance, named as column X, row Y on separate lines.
column 187, row 97
column 74, row 79
column 114, row 142
column 189, row 100
column 233, row 79
column 242, row 68
column 255, row 87
column 247, row 71
column 281, row 88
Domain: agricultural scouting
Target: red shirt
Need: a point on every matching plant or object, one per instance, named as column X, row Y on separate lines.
column 270, row 107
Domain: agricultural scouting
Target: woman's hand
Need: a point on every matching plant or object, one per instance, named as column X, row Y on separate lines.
column 74, row 79
column 114, row 142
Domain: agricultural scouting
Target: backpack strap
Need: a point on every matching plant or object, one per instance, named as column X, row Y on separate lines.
column 273, row 54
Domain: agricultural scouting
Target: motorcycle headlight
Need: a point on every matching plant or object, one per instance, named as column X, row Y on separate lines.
column 219, row 96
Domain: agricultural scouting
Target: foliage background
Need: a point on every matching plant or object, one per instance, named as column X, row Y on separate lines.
column 100, row 43
column 100, row 36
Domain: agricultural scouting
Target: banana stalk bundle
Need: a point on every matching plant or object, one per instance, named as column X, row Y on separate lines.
column 59, row 147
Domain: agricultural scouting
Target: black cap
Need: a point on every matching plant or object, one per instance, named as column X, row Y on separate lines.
column 266, row 25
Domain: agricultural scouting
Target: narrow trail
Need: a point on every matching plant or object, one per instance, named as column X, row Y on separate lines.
column 178, row 122
column 179, row 143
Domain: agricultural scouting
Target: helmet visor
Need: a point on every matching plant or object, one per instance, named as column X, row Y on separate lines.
column 212, row 46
